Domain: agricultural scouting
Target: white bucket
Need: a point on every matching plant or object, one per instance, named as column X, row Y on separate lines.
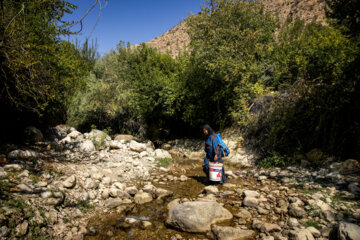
column 215, row 171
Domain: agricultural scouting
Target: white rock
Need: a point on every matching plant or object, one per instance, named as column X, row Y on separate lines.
column 97, row 175
column 3, row 173
column 137, row 147
column 211, row 190
column 90, row 184
column 12, row 167
column 23, row 154
column 70, row 182
column 251, row 202
column 160, row 153
column 106, row 180
column 46, row 194
column 87, row 146
column 142, row 197
column 25, row 188
column 250, row 193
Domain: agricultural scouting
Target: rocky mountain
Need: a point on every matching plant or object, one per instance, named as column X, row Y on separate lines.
column 176, row 39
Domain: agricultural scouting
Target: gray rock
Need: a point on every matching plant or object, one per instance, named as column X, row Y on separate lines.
column 23, row 154
column 173, row 203
column 41, row 184
column 137, row 147
column 97, row 175
column 298, row 212
column 52, row 201
column 146, row 224
column 106, row 180
column 116, row 145
column 293, row 222
column 113, row 202
column 24, row 188
column 90, row 184
column 270, row 227
column 105, row 193
column 12, row 167
column 183, row 178
column 250, row 202
column 3, row 174
column 33, row 135
column 302, row 234
column 22, row 229
column 46, row 194
column 87, row 146
column 162, row 193
column 211, row 190
column 70, row 182
column 149, row 188
column 243, row 213
column 354, row 188
column 4, row 232
column 74, row 134
column 142, row 197
column 123, row 137
column 51, row 217
column 231, row 233
column 348, row 231
column 316, row 233
column 160, row 153
column 197, row 216
column 251, row 194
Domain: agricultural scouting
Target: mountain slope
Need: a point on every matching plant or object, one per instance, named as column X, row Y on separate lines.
column 176, row 39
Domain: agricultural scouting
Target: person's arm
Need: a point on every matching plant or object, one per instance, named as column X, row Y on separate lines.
column 216, row 148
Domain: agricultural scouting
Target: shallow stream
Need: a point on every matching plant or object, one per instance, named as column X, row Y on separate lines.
column 128, row 224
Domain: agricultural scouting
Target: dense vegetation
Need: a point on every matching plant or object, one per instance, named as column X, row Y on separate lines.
column 290, row 87
column 39, row 72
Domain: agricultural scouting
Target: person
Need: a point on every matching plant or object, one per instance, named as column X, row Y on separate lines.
column 213, row 151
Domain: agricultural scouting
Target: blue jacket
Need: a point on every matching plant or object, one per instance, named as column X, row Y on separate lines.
column 214, row 150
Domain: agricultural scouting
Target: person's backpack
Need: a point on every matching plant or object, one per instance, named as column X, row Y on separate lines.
column 225, row 150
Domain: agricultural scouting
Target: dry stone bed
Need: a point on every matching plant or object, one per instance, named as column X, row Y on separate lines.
column 70, row 189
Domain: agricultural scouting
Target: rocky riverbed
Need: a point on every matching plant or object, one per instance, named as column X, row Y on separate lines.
column 90, row 186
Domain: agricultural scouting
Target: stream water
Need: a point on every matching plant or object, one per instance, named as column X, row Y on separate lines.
column 128, row 223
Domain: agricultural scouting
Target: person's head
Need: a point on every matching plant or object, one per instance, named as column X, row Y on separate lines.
column 208, row 130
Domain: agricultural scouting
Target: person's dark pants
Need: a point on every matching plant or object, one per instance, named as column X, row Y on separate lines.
column 206, row 171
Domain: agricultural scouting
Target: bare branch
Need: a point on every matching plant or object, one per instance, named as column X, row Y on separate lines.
column 97, row 20
column 13, row 19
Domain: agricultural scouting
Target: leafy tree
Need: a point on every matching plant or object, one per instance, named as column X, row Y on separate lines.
column 230, row 44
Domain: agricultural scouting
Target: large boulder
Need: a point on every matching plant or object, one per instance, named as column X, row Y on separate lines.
column 137, row 147
column 231, row 233
column 197, row 216
column 345, row 231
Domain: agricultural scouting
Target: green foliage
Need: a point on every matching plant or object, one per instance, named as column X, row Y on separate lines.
column 317, row 95
column 231, row 42
column 39, row 72
column 127, row 90
column 312, row 224
column 275, row 160
column 163, row 162
column 85, row 206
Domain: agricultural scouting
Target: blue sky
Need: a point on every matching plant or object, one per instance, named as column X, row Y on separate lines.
column 135, row 21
